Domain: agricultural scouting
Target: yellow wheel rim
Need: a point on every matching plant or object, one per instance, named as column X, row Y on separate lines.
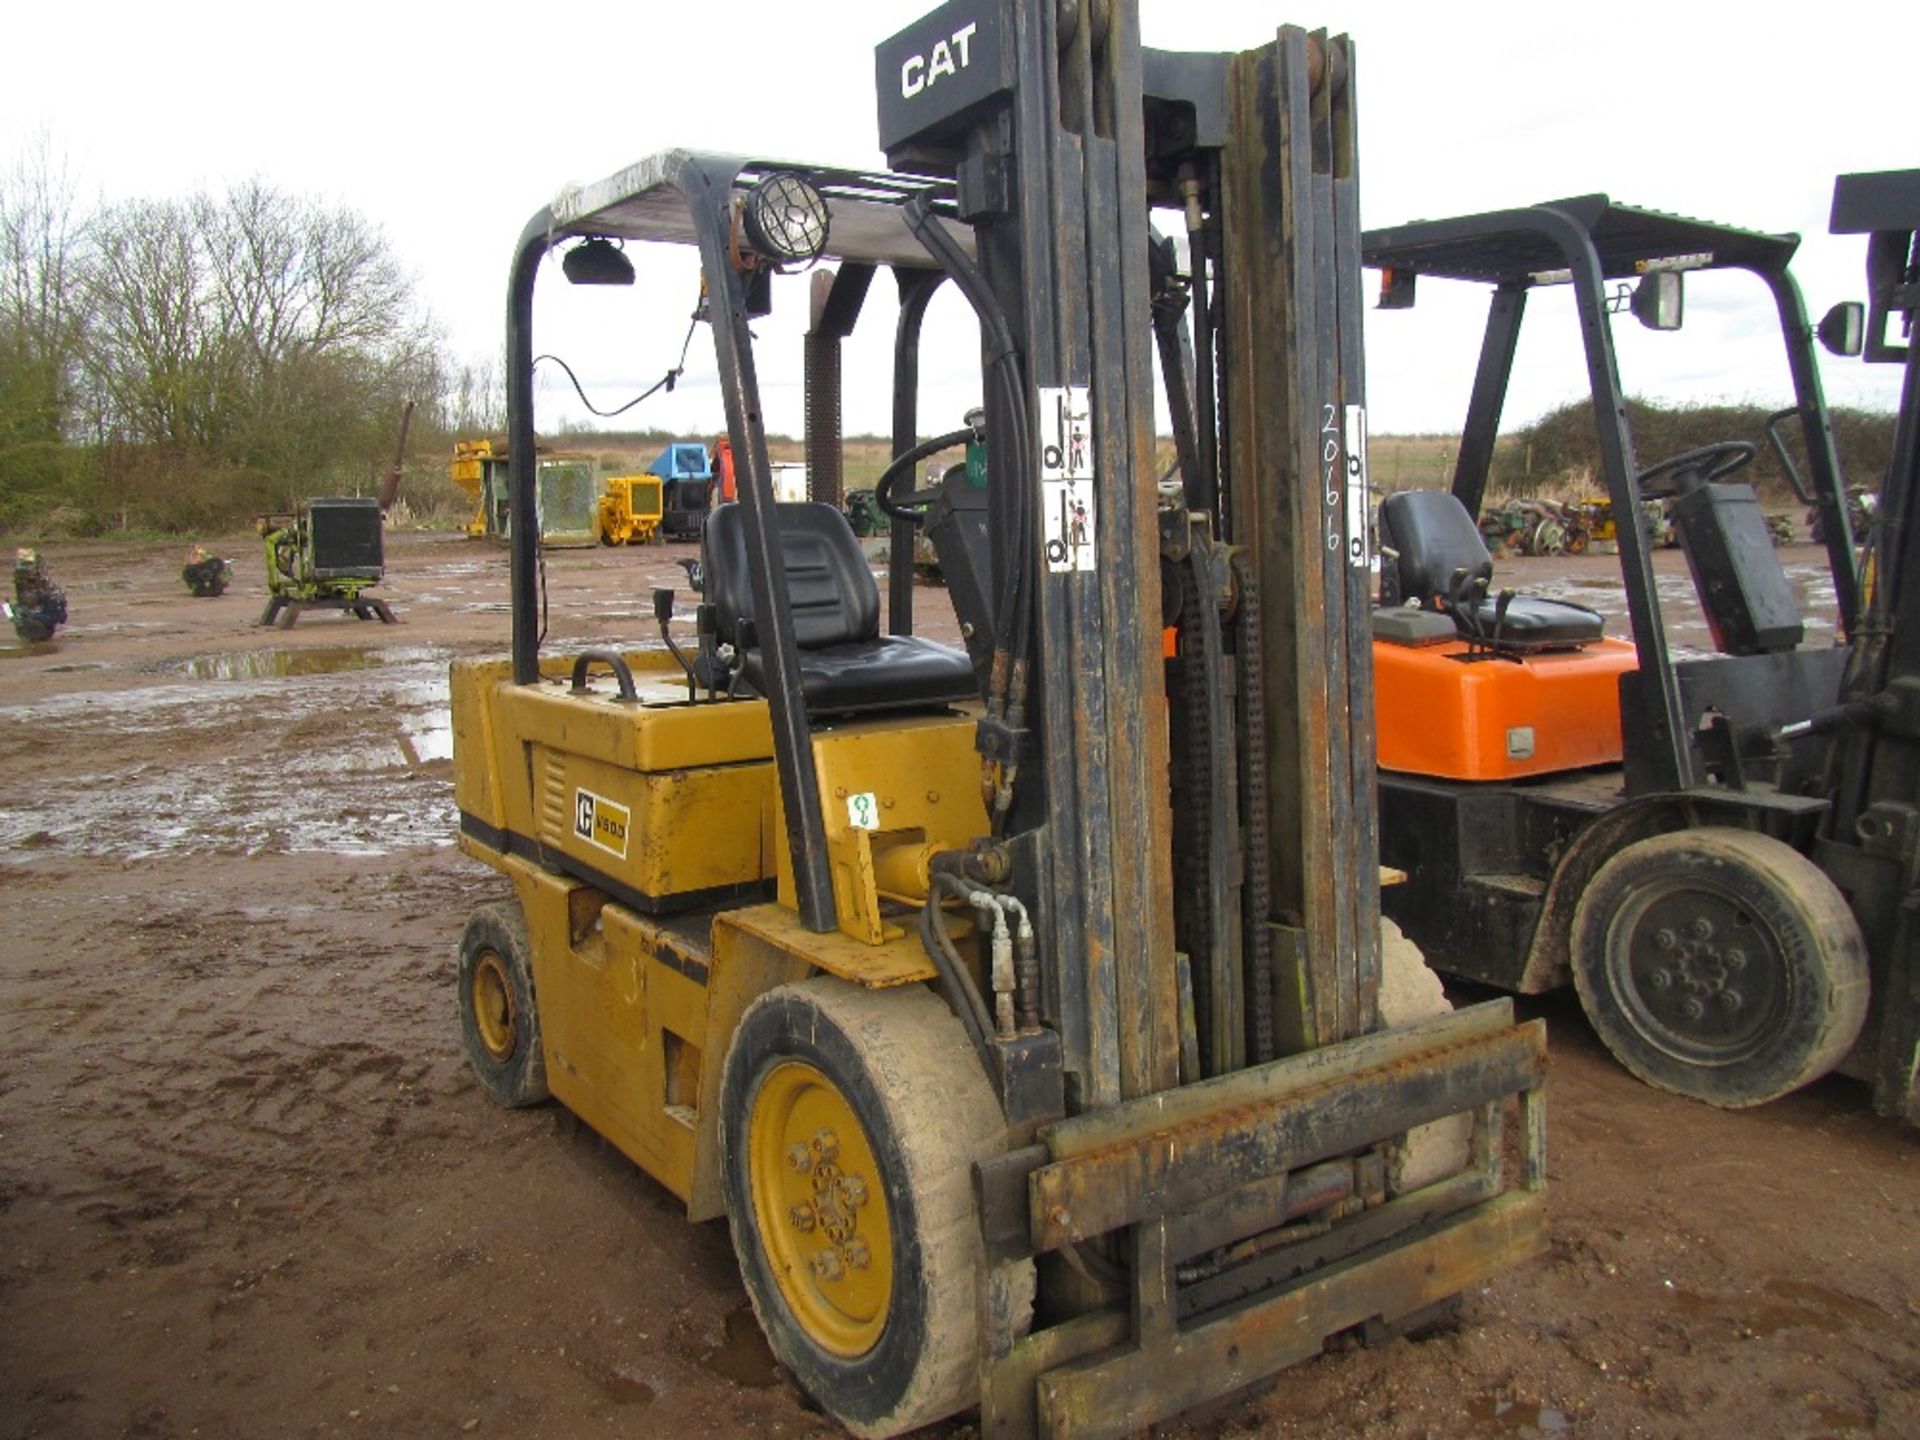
column 820, row 1208
column 493, row 1013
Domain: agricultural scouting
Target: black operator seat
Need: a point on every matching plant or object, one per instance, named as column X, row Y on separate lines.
column 846, row 664
column 1437, row 541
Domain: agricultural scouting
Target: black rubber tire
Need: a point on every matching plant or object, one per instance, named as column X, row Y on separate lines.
column 903, row 1064
column 1720, row 964
column 497, row 935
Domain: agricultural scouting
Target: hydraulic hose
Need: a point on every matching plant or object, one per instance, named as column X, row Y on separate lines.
column 1007, row 676
column 1003, row 360
column 963, row 996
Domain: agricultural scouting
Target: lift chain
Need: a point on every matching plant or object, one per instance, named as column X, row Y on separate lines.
column 1258, row 894
column 1193, row 803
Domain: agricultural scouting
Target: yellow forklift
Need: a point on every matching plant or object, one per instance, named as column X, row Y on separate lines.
column 1020, row 1007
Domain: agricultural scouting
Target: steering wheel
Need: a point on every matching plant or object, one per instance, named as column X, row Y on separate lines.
column 1707, row 463
column 910, row 506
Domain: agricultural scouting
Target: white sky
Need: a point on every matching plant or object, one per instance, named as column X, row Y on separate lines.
column 450, row 124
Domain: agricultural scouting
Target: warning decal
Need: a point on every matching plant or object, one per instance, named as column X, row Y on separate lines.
column 1357, row 497
column 1067, row 513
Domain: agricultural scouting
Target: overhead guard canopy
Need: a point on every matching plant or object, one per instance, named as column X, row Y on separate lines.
column 1502, row 246
column 641, row 203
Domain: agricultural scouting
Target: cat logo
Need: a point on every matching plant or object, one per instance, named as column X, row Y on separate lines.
column 601, row 822
column 947, row 57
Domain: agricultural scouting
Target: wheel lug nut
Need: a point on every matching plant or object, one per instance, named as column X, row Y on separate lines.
column 800, row 1158
column 1736, row 959
column 1661, row 979
column 828, row 1265
column 826, row 1146
column 853, row 1191
column 856, row 1253
column 1729, row 999
column 1702, row 928
column 1664, row 938
column 1693, row 1009
column 802, row 1217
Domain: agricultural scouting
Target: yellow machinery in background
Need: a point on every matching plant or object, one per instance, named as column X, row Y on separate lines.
column 631, row 508
column 566, row 507
column 479, row 467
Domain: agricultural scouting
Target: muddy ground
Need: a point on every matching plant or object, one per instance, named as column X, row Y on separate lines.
column 247, row 1187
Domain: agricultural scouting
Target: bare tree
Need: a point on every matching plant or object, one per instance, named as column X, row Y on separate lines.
column 41, row 238
column 156, row 340
column 270, row 330
column 476, row 399
column 251, row 344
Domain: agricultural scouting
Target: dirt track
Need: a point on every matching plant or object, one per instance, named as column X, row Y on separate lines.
column 248, row 1188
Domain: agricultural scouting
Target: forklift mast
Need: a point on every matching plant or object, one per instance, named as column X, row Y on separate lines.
column 1041, row 148
column 1055, row 173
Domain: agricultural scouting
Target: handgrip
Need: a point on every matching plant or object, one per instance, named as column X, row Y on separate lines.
column 621, row 674
column 1787, row 466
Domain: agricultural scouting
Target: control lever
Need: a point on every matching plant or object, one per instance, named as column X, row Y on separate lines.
column 1460, row 587
column 663, row 612
column 1500, row 615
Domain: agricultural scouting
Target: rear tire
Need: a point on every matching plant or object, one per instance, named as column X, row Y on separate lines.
column 498, row 1018
column 849, row 1122
column 1720, row 964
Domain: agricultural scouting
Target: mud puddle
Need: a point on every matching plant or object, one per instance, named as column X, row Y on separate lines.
column 293, row 662
column 330, row 749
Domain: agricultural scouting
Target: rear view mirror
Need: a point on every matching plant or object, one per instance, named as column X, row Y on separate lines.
column 1396, row 289
column 1843, row 329
column 1658, row 300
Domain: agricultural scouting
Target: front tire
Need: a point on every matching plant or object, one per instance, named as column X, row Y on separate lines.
column 1720, row 964
column 849, row 1121
column 498, row 1019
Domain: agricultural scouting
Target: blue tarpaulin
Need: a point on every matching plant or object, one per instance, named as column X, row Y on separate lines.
column 682, row 462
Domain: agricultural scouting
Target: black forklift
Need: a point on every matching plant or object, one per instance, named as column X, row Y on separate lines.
column 1673, row 835
column 1026, row 1079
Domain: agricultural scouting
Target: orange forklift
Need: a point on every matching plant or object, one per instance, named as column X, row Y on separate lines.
column 1692, row 842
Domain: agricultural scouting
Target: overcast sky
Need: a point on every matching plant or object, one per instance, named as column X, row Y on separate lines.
column 450, row 124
